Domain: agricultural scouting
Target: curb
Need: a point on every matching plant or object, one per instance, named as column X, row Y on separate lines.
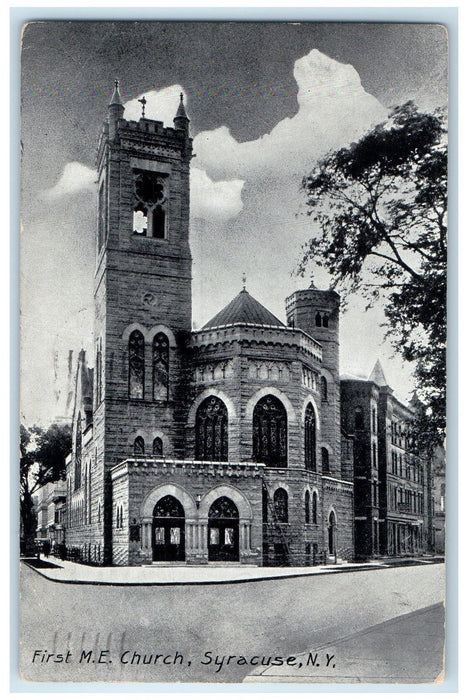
column 79, row 582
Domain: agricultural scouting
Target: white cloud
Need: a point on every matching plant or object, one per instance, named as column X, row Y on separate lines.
column 334, row 110
column 160, row 104
column 75, row 177
column 214, row 200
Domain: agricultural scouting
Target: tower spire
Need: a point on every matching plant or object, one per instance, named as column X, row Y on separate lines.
column 116, row 110
column 181, row 121
column 116, row 98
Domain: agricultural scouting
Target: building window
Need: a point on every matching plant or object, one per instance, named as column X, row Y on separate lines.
column 211, row 431
column 310, row 438
column 280, row 501
column 157, row 447
column 149, row 211
column 136, row 365
column 78, row 443
column 139, row 446
column 102, row 215
column 323, row 389
column 325, row 321
column 325, row 461
column 358, row 419
column 307, row 507
column 318, row 320
column 314, row 508
column 270, row 432
column 160, row 367
column 99, row 371
column 374, row 420
column 374, row 454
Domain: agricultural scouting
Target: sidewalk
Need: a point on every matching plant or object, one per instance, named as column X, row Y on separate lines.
column 406, row 649
column 160, row 575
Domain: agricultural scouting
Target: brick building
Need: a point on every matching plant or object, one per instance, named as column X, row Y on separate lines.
column 221, row 444
column 390, row 475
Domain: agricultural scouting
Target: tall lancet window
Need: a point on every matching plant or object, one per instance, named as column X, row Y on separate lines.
column 270, row 432
column 78, row 440
column 310, row 439
column 136, row 365
column 160, row 367
column 211, row 426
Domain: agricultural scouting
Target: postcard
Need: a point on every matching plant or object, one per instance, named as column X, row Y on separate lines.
column 233, row 352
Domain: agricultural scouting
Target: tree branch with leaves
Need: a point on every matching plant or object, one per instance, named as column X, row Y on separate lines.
column 380, row 209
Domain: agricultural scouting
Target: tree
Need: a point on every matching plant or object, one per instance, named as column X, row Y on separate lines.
column 381, row 209
column 42, row 460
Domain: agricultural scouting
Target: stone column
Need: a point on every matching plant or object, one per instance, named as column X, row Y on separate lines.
column 146, row 526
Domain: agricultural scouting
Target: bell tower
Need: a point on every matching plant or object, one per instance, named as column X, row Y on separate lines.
column 142, row 284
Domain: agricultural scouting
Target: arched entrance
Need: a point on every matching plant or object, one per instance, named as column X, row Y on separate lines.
column 168, row 530
column 223, row 530
column 331, row 533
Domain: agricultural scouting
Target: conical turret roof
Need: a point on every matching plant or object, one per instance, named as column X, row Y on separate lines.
column 116, row 98
column 244, row 309
column 377, row 375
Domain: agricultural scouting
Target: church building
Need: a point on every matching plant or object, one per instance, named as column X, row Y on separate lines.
column 200, row 446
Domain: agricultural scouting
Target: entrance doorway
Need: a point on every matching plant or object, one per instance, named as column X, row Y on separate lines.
column 168, row 530
column 223, row 531
column 331, row 533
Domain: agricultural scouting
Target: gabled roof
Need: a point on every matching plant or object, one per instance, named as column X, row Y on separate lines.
column 244, row 309
column 377, row 375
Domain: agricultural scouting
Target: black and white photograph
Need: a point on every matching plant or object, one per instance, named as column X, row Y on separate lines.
column 233, row 337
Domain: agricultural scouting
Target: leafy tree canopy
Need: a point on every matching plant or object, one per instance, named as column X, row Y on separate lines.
column 42, row 460
column 380, row 207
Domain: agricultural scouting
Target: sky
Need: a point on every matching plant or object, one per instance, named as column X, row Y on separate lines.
column 265, row 100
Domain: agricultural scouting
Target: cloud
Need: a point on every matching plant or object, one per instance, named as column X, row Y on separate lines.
column 75, row 178
column 334, row 109
column 160, row 104
column 214, row 200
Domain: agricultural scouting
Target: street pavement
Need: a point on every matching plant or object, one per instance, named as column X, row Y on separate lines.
column 187, row 633
column 414, row 653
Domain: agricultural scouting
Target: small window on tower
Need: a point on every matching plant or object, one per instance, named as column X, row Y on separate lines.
column 325, row 321
column 318, row 320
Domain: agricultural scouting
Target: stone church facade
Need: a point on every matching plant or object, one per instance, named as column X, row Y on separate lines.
column 216, row 445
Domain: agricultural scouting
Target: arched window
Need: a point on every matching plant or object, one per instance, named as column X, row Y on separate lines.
column 211, row 429
column 374, row 420
column 160, row 367
column 310, row 438
column 280, row 501
column 270, row 427
column 136, row 365
column 325, row 321
column 139, row 446
column 157, row 447
column 374, row 454
column 314, row 508
column 318, row 320
column 323, row 389
column 358, row 419
column 325, row 461
column 149, row 211
column 307, row 507
column 78, row 442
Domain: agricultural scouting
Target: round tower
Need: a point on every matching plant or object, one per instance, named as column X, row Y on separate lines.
column 316, row 311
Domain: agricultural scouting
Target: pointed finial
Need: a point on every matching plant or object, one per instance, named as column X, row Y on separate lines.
column 143, row 105
column 244, row 280
column 181, row 96
column 116, row 99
